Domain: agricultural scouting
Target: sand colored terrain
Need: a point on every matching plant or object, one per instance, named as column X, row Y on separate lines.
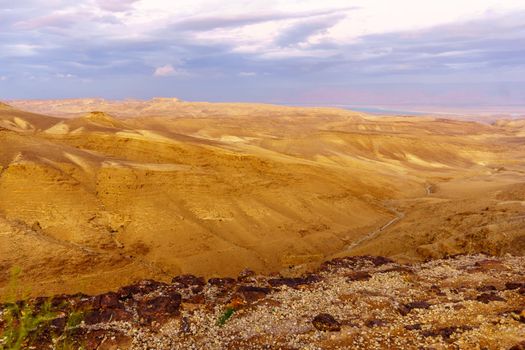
column 90, row 201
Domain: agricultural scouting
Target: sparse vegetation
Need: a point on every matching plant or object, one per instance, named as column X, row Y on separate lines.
column 226, row 315
column 21, row 322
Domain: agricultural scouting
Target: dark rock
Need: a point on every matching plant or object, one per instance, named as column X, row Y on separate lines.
column 488, row 297
column 326, row 322
column 109, row 300
column 379, row 260
column 58, row 324
column 59, row 301
column 254, row 289
column 519, row 346
column 141, row 288
column 159, row 308
column 195, row 299
column 403, row 269
column 106, row 316
column 359, row 276
column 222, row 282
column 514, row 285
column 486, row 266
column 188, row 281
column 488, row 288
column 406, row 308
column 185, row 326
column 519, row 315
column 446, row 332
column 294, row 282
column 437, row 290
column 245, row 275
column 251, row 294
column 412, row 327
column 375, row 323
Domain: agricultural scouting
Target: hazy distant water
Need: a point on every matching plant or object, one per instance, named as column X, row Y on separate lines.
column 514, row 111
column 367, row 109
column 378, row 110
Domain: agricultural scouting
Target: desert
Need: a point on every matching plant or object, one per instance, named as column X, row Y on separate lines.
column 224, row 187
column 262, row 175
column 93, row 201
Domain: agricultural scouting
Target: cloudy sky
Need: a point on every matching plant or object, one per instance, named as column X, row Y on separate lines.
column 376, row 52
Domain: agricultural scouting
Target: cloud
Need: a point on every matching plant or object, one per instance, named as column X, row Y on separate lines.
column 166, row 71
column 3, row 78
column 296, row 45
column 300, row 31
column 65, row 76
column 59, row 20
column 207, row 23
column 116, row 5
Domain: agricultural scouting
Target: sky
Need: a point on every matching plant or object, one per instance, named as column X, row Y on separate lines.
column 353, row 52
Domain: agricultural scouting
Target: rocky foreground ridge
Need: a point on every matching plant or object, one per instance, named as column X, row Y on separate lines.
column 464, row 302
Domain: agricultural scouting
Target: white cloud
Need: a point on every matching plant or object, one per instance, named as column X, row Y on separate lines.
column 359, row 18
column 65, row 76
column 3, row 78
column 247, row 74
column 165, row 71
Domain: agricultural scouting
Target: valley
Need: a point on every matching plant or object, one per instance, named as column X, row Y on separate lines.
column 96, row 194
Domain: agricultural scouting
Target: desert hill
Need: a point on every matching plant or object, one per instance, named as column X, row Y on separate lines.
column 103, row 193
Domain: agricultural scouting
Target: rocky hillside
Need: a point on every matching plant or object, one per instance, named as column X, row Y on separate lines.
column 464, row 302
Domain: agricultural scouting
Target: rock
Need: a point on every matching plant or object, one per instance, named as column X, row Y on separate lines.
column 406, row 308
column 245, row 275
column 359, row 276
column 490, row 264
column 488, row 297
column 188, row 281
column 379, row 260
column 437, row 290
column 519, row 315
column 294, row 282
column 159, row 308
column 58, row 324
column 487, row 288
column 413, row 327
column 514, row 285
column 401, row 269
column 195, row 299
column 375, row 323
column 251, row 294
column 326, row 322
column 519, row 346
column 141, row 288
column 109, row 300
column 185, row 326
column 222, row 282
column 106, row 316
column 445, row 332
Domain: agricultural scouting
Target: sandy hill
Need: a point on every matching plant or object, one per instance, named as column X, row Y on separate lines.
column 150, row 189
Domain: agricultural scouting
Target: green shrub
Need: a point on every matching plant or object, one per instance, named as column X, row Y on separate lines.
column 225, row 316
column 21, row 323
